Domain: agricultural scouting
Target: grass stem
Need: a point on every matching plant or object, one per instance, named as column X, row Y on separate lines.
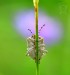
column 36, row 28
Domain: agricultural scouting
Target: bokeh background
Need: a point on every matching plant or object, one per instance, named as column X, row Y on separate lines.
column 13, row 45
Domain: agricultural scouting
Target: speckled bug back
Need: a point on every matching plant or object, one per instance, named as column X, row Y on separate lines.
column 31, row 47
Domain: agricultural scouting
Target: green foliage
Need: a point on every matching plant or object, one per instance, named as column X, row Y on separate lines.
column 13, row 48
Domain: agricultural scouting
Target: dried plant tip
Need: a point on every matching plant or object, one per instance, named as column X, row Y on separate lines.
column 35, row 2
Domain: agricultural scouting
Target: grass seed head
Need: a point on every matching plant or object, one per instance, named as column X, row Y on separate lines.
column 35, row 2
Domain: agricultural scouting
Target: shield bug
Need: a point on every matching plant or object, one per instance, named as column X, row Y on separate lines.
column 31, row 47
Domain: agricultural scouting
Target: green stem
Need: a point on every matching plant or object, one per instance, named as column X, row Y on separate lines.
column 36, row 22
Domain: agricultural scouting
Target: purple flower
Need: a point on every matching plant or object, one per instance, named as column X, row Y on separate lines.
column 52, row 31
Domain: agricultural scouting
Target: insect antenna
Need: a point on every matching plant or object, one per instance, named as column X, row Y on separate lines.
column 41, row 28
column 30, row 31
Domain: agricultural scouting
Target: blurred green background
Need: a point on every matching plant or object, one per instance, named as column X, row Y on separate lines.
column 13, row 47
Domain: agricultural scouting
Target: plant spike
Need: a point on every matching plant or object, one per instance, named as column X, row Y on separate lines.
column 36, row 28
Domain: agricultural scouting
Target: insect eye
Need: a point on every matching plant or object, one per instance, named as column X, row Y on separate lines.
column 32, row 36
column 39, row 37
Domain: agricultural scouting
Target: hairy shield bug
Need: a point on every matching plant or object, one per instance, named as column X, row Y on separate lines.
column 31, row 47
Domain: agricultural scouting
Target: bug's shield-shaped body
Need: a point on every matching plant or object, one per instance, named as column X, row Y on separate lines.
column 31, row 47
